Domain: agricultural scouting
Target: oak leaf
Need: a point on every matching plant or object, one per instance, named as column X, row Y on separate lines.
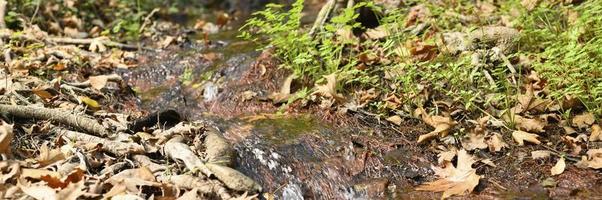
column 457, row 180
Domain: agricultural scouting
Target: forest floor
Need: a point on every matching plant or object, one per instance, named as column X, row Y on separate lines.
column 111, row 99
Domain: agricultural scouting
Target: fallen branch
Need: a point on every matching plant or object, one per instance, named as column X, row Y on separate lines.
column 193, row 182
column 322, row 16
column 176, row 150
column 114, row 147
column 55, row 115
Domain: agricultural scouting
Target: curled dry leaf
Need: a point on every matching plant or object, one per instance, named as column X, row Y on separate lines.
column 559, row 167
column 540, row 154
column 234, row 179
column 521, row 136
column 6, row 136
column 584, row 120
column 285, row 91
column 441, row 124
column 329, row 90
column 458, row 180
column 593, row 159
column 596, row 134
column 446, row 156
column 48, row 156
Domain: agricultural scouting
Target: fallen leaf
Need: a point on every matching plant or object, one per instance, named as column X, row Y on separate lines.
column 48, row 156
column 329, row 90
column 559, row 167
column 529, row 125
column 89, row 102
column 584, row 120
column 529, row 4
column 489, row 162
column 446, row 156
column 377, row 33
column 285, row 91
column 460, row 180
column 596, row 134
column 593, row 159
column 495, row 142
column 521, row 136
column 98, row 82
column 6, row 136
column 540, row 154
column 441, row 124
column 395, row 119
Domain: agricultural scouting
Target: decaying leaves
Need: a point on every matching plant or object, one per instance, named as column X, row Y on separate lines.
column 521, row 136
column 459, row 180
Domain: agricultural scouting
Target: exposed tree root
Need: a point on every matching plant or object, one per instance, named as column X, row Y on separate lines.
column 114, row 147
column 55, row 115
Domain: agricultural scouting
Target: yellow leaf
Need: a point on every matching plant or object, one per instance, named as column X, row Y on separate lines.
column 559, row 167
column 458, row 180
column 89, row 102
column 520, row 137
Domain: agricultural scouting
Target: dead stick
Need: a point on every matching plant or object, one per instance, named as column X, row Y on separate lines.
column 322, row 16
column 114, row 147
column 2, row 13
column 55, row 115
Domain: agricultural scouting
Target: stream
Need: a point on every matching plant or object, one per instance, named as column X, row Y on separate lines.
column 292, row 157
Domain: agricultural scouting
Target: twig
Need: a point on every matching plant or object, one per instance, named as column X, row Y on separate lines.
column 55, row 115
column 489, row 78
column 147, row 19
column 559, row 154
column 114, row 147
column 88, row 41
column 322, row 16
column 2, row 13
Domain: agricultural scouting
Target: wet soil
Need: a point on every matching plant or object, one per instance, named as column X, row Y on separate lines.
column 311, row 153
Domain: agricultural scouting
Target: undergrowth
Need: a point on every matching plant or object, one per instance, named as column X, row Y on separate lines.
column 560, row 41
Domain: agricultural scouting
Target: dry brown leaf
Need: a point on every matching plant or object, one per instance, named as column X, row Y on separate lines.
column 38, row 173
column 285, row 91
column 460, row 180
column 529, row 125
column 6, row 136
column 495, row 142
column 377, row 33
column 584, row 120
column 521, row 136
column 540, row 154
column 329, row 89
column 596, row 134
column 593, row 159
column 446, row 156
column 75, row 176
column 8, row 170
column 131, row 179
column 395, row 119
column 441, row 124
column 98, row 82
column 48, row 156
column 488, row 162
column 559, row 167
column 474, row 141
